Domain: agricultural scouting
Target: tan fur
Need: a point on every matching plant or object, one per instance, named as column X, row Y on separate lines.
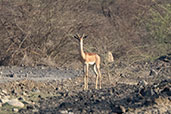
column 89, row 59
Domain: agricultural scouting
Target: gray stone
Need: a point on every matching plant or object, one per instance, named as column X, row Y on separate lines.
column 21, row 99
column 70, row 113
column 142, row 83
column 122, row 109
column 16, row 103
column 24, row 93
column 35, row 110
column 1, row 94
column 35, row 90
column 7, row 96
column 4, row 100
column 5, row 92
column 15, row 110
column 64, row 112
column 153, row 72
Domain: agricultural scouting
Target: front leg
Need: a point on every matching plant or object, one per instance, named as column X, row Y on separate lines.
column 100, row 76
column 85, row 81
column 86, row 78
column 83, row 70
column 84, row 73
column 97, row 76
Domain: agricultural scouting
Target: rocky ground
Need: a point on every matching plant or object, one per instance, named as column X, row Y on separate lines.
column 138, row 88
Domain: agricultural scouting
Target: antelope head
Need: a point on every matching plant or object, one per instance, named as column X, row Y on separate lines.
column 78, row 37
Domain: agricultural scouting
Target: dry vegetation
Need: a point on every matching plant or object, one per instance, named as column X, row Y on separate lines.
column 40, row 32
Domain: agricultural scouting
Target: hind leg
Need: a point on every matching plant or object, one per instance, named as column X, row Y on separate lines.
column 100, row 77
column 97, row 76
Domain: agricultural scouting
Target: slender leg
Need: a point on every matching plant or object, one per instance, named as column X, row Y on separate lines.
column 95, row 70
column 100, row 76
column 85, row 75
column 83, row 69
column 86, row 78
column 85, row 82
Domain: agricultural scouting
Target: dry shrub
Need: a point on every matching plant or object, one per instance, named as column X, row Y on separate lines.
column 38, row 32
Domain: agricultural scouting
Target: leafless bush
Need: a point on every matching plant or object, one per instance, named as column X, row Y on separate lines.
column 38, row 32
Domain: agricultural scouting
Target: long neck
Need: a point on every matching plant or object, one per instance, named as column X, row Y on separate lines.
column 81, row 49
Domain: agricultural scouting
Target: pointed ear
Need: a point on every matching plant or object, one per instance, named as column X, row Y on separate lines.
column 76, row 37
column 85, row 36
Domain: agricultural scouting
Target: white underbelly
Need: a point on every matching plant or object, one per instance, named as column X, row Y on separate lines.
column 91, row 63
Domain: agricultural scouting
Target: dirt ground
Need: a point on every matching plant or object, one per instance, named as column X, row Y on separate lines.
column 139, row 88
